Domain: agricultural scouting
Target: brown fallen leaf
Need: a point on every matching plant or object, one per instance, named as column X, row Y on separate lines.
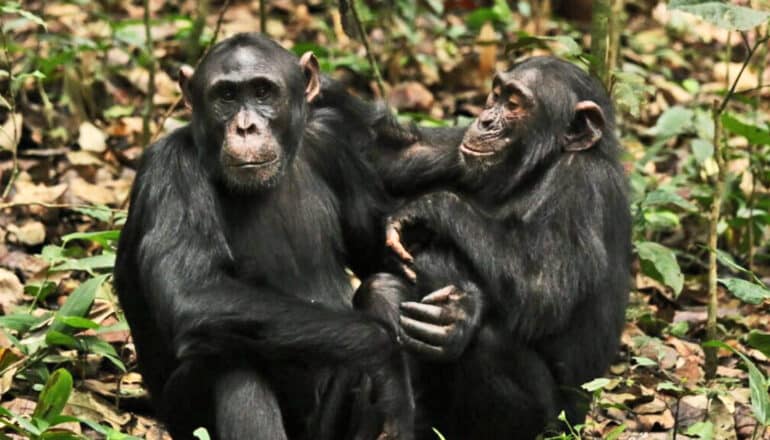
column 11, row 291
column 656, row 422
column 31, row 233
column 91, row 138
column 411, row 96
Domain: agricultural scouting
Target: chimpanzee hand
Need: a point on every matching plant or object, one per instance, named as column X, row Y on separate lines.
column 416, row 224
column 439, row 327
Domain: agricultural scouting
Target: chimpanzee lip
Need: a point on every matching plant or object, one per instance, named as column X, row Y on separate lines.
column 254, row 164
column 466, row 149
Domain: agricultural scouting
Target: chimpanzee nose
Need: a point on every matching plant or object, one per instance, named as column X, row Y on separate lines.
column 245, row 124
column 486, row 120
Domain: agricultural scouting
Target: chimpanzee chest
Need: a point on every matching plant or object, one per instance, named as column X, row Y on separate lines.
column 291, row 240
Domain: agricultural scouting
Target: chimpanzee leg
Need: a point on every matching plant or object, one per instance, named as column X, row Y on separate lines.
column 186, row 399
column 245, row 406
column 499, row 392
column 380, row 296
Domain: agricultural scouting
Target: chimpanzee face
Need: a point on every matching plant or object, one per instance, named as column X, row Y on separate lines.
column 508, row 112
column 539, row 107
column 249, row 98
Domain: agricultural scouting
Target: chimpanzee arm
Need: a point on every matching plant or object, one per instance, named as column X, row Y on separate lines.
column 415, row 159
column 174, row 238
column 538, row 267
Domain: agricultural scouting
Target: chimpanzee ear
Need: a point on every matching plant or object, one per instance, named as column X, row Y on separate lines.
column 185, row 73
column 309, row 65
column 586, row 128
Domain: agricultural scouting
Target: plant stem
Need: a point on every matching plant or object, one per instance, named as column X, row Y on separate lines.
column 148, row 103
column 263, row 16
column 715, row 214
column 600, row 36
column 369, row 54
column 11, row 113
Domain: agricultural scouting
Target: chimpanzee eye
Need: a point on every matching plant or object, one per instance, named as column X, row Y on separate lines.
column 227, row 93
column 263, row 89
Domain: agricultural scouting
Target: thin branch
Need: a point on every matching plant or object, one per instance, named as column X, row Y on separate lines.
column 731, row 92
column 148, row 104
column 369, row 54
column 178, row 101
column 11, row 113
column 263, row 16
column 57, row 206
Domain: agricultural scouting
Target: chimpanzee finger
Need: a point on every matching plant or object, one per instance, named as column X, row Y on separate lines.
column 426, row 351
column 393, row 241
column 428, row 333
column 439, row 296
column 410, row 274
column 425, row 312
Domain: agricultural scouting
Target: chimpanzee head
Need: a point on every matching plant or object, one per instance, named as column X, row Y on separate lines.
column 540, row 109
column 249, row 101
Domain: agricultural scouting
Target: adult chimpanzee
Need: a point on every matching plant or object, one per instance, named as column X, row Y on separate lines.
column 535, row 235
column 231, row 265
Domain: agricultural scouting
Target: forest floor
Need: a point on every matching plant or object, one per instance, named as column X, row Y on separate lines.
column 76, row 119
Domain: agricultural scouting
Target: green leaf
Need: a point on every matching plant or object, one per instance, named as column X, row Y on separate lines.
column 760, row 341
column 760, row 398
column 88, row 264
column 755, row 134
column 54, row 338
column 438, row 434
column 702, row 150
column 746, row 291
column 644, row 361
column 728, row 261
column 663, row 197
column 659, row 262
column 704, row 430
column 596, row 384
column 79, row 302
column 674, row 121
column 78, row 322
column 201, row 434
column 103, row 238
column 669, row 386
column 615, row 432
column 722, row 14
column 21, row 322
column 54, row 396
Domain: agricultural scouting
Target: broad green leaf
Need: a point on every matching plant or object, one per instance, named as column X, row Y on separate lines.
column 760, row 398
column 669, row 386
column 79, row 302
column 78, row 322
column 103, row 238
column 746, row 291
column 722, row 14
column 596, row 384
column 659, row 262
column 661, row 220
column 201, row 434
column 615, row 432
column 54, row 396
column 88, row 264
column 53, row 337
column 702, row 150
column 760, row 341
column 674, row 121
column 755, row 134
column 662, row 197
column 644, row 361
column 703, row 430
column 630, row 91
column 21, row 322
column 728, row 261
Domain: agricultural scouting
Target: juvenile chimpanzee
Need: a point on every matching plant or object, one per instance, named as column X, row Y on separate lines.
column 533, row 229
column 231, row 265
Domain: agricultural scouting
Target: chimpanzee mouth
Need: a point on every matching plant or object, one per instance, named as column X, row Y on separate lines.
column 253, row 165
column 473, row 152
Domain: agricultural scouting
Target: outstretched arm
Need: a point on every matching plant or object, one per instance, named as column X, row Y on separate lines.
column 413, row 159
column 537, row 270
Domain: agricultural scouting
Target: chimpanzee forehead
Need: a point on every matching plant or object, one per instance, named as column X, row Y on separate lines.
column 242, row 63
column 523, row 75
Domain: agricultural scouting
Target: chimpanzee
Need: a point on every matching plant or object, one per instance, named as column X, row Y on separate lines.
column 526, row 214
column 231, row 265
